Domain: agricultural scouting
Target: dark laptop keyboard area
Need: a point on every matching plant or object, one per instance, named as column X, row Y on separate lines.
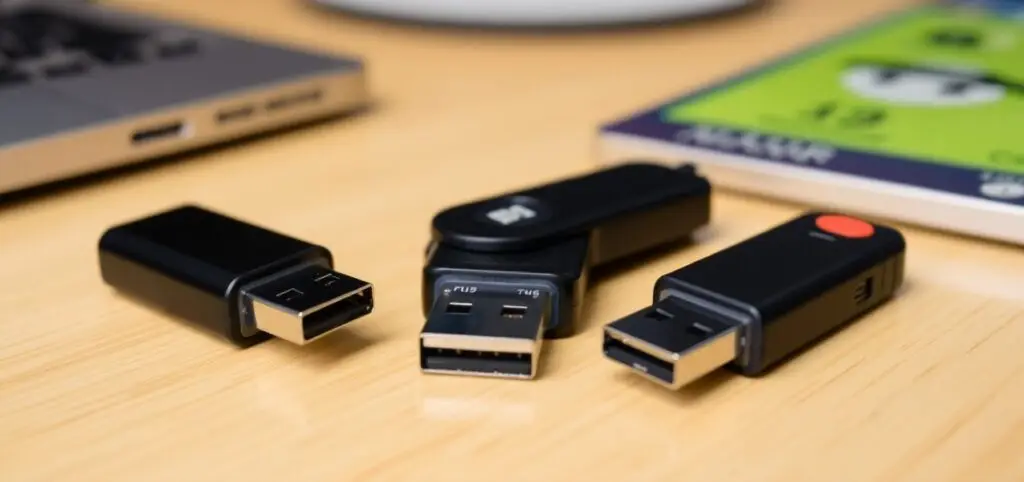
column 40, row 45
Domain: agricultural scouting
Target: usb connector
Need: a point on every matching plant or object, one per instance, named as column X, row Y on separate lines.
column 487, row 334
column 670, row 343
column 307, row 303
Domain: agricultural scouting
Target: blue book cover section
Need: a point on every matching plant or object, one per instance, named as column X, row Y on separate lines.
column 1008, row 8
column 932, row 98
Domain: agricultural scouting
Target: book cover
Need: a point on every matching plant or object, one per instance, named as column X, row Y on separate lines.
column 924, row 106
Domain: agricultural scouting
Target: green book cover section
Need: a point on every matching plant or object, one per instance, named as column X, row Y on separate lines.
column 933, row 84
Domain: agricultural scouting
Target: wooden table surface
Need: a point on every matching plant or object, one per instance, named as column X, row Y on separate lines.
column 94, row 387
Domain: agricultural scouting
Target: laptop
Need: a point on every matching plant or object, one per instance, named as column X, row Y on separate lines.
column 86, row 87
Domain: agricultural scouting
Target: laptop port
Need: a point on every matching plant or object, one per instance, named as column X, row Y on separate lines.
column 235, row 114
column 294, row 100
column 171, row 130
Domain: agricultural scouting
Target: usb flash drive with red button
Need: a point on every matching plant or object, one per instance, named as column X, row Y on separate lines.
column 753, row 304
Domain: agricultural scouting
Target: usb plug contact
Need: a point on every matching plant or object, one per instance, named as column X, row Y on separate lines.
column 486, row 334
column 307, row 303
column 670, row 343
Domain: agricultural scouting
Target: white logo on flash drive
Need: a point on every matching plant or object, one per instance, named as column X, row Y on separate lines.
column 512, row 214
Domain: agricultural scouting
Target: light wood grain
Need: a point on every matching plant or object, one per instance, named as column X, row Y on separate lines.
column 94, row 387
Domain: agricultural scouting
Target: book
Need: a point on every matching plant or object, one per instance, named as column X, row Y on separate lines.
column 1012, row 8
column 917, row 117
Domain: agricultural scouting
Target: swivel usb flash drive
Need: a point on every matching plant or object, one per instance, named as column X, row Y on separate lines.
column 503, row 273
column 753, row 304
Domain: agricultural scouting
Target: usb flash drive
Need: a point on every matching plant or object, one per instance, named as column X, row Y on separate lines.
column 755, row 303
column 242, row 282
column 503, row 273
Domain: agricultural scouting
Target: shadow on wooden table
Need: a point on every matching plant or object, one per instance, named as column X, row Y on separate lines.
column 690, row 395
column 327, row 351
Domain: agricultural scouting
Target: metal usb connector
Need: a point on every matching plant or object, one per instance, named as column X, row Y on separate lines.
column 485, row 334
column 671, row 344
column 308, row 303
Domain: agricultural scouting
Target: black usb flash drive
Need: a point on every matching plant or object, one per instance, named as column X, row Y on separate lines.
column 503, row 273
column 757, row 302
column 239, row 281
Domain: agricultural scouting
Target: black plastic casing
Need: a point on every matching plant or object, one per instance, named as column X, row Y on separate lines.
column 789, row 286
column 576, row 224
column 192, row 263
column 559, row 270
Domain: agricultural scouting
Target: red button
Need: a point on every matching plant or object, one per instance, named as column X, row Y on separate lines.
column 845, row 226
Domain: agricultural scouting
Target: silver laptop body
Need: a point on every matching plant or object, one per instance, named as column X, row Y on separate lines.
column 85, row 87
